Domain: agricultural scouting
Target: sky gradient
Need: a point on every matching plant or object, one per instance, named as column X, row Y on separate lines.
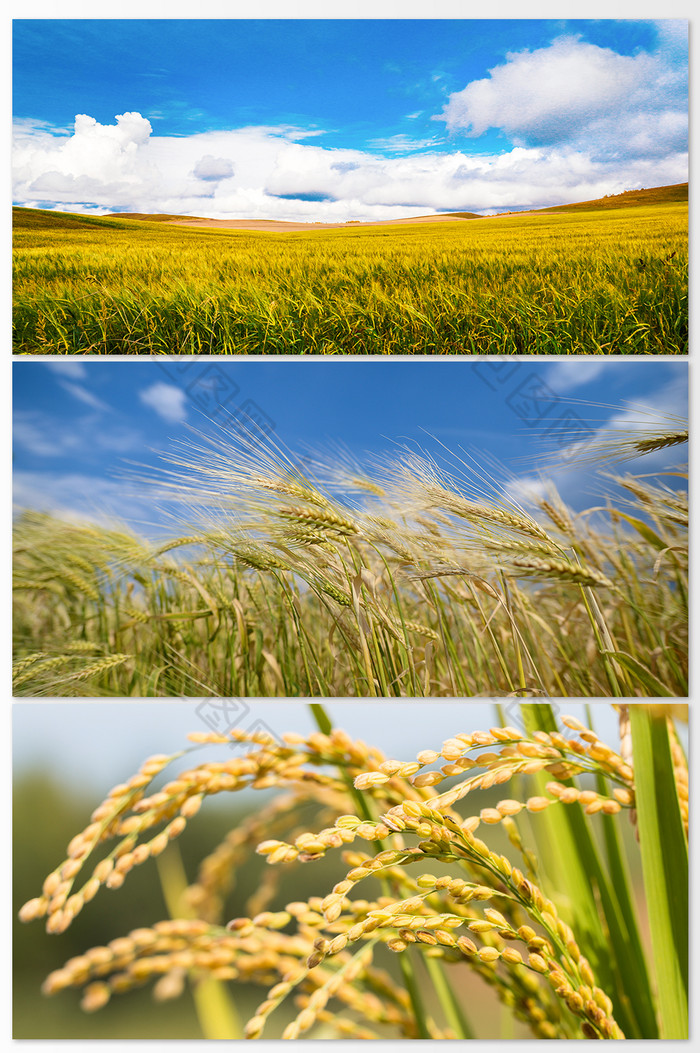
column 337, row 120
column 94, row 747
column 80, row 427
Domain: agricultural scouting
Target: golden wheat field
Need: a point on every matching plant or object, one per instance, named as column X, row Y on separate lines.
column 605, row 277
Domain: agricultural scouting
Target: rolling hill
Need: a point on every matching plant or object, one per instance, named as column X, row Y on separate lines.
column 38, row 219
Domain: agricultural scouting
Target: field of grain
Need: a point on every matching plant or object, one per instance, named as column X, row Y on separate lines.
column 409, row 581
column 582, row 281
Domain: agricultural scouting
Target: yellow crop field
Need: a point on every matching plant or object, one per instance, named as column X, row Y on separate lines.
column 595, row 280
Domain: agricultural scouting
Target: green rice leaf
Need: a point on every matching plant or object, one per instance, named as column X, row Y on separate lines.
column 601, row 904
column 664, row 851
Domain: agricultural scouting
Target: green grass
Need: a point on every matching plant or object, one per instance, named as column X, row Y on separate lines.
column 600, row 281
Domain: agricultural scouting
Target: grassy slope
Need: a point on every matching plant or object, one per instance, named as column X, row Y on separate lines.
column 40, row 219
column 660, row 195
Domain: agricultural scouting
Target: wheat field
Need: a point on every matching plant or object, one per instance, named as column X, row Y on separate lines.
column 410, row 579
column 585, row 281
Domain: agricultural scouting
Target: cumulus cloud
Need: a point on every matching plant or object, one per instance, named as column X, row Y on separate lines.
column 276, row 177
column 213, row 168
column 167, row 400
column 572, row 464
column 575, row 443
column 572, row 92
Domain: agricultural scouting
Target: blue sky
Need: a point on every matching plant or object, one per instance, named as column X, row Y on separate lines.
column 94, row 747
column 78, row 426
column 107, row 746
column 331, row 120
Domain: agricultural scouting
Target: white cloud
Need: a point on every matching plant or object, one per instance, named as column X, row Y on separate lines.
column 273, row 173
column 167, row 400
column 527, row 490
column 79, row 497
column 566, row 375
column 672, row 36
column 74, row 370
column 572, row 466
column 213, row 168
column 31, row 432
column 83, row 395
column 94, row 157
column 46, row 436
column 660, row 411
column 402, row 143
column 576, row 93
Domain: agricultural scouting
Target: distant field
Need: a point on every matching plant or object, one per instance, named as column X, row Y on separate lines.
column 606, row 277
